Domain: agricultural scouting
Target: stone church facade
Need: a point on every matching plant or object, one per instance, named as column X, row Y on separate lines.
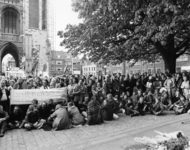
column 24, row 30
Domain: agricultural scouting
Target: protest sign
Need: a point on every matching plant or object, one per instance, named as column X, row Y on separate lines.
column 22, row 97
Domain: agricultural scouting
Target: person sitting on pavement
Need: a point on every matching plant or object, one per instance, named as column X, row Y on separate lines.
column 16, row 118
column 3, row 120
column 107, row 110
column 141, row 106
column 94, row 113
column 130, row 108
column 60, row 118
column 44, row 111
column 181, row 106
column 74, row 114
column 51, row 106
column 32, row 118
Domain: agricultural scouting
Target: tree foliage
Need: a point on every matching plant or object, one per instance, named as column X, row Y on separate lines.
column 125, row 30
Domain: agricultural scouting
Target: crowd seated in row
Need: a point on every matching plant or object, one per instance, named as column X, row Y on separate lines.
column 93, row 100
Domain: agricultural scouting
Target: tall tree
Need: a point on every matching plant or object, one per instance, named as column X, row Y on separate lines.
column 125, row 30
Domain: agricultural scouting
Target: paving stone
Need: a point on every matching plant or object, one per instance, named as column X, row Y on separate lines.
column 78, row 138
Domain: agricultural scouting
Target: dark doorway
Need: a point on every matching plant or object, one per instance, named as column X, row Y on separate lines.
column 11, row 49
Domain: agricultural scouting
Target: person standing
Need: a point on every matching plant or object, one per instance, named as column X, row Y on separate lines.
column 4, row 96
column 3, row 120
column 45, row 85
column 185, row 86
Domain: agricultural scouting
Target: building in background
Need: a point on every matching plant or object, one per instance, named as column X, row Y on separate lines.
column 62, row 63
column 27, row 26
column 154, row 67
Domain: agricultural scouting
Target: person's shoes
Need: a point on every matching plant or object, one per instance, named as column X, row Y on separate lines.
column 1, row 135
column 85, row 121
column 28, row 129
column 131, row 115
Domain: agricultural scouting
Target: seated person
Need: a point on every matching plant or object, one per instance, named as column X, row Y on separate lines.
column 32, row 118
column 44, row 111
column 51, row 106
column 165, row 100
column 34, row 104
column 94, row 113
column 157, row 106
column 181, row 106
column 141, row 106
column 113, row 103
column 16, row 118
column 74, row 114
column 60, row 118
column 107, row 110
column 130, row 108
column 3, row 120
column 83, row 107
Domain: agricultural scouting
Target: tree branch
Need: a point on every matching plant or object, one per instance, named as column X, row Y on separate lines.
column 182, row 44
column 182, row 52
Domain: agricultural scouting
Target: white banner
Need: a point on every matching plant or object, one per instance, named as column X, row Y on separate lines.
column 21, row 97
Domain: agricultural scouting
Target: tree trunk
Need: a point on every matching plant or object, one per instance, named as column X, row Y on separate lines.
column 170, row 63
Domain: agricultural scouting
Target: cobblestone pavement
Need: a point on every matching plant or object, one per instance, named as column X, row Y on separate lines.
column 92, row 137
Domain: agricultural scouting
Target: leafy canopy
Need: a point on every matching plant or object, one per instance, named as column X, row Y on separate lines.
column 125, row 30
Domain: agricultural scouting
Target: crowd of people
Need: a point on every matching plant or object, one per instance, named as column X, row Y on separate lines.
column 93, row 99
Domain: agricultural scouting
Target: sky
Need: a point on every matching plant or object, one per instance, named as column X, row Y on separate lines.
column 64, row 15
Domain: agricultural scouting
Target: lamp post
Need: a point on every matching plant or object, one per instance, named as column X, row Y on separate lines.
column 105, row 68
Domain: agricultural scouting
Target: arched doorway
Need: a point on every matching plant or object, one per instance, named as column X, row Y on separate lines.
column 11, row 49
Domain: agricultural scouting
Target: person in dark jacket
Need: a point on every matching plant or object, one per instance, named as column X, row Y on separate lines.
column 16, row 118
column 3, row 120
column 51, row 106
column 94, row 113
column 107, row 110
column 44, row 111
